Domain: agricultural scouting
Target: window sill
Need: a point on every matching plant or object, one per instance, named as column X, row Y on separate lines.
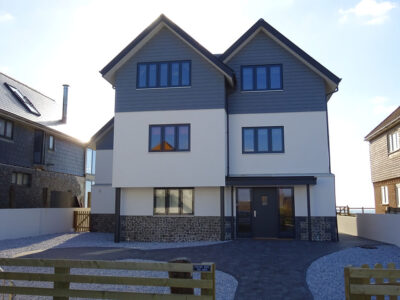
column 4, row 139
column 394, row 152
column 261, row 91
column 164, row 88
column 171, row 215
column 263, row 152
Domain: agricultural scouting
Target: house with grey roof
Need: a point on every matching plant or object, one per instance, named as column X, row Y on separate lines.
column 384, row 151
column 214, row 147
column 40, row 165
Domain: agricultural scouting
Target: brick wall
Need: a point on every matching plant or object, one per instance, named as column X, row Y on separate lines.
column 391, row 184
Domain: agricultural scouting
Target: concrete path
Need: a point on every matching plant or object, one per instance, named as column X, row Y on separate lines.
column 265, row 269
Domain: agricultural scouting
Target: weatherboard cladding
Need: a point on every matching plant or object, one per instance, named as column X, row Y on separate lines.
column 107, row 141
column 303, row 89
column 207, row 90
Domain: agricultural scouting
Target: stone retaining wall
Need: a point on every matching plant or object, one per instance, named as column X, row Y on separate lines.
column 322, row 228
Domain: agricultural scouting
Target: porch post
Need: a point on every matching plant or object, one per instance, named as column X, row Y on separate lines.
column 222, row 206
column 117, row 232
column 309, row 213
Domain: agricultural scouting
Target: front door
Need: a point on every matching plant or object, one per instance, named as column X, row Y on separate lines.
column 265, row 221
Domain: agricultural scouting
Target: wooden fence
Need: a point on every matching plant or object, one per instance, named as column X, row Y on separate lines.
column 62, row 278
column 362, row 283
column 81, row 221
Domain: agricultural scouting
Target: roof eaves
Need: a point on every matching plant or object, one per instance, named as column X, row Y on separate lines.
column 383, row 126
column 162, row 18
column 263, row 24
column 102, row 131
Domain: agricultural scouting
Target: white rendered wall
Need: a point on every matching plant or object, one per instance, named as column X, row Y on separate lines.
column 28, row 222
column 140, row 201
column 104, row 160
column 103, row 199
column 322, row 197
column 305, row 140
column 203, row 165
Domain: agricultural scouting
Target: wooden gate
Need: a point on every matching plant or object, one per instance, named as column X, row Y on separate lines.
column 81, row 221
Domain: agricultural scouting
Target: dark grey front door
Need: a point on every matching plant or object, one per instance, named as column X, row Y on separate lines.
column 265, row 221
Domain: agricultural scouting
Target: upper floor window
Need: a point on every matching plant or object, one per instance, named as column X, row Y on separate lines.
column 261, row 78
column 90, row 161
column 169, row 138
column 6, row 129
column 51, row 142
column 394, row 142
column 163, row 74
column 262, row 139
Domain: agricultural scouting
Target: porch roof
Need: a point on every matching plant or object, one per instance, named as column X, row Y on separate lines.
column 269, row 180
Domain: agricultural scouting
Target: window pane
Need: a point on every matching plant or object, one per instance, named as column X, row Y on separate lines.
column 160, row 202
column 286, row 210
column 51, row 142
column 89, row 161
column 142, row 75
column 9, row 129
column 247, row 79
column 164, row 74
column 243, row 213
column 14, row 178
column 275, row 77
column 174, row 201
column 155, row 138
column 25, row 179
column 175, row 74
column 19, row 178
column 2, row 127
column 169, row 138
column 277, row 140
column 261, row 78
column 187, row 201
column 262, row 135
column 248, row 136
column 152, row 75
column 183, row 137
column 94, row 162
column 185, row 73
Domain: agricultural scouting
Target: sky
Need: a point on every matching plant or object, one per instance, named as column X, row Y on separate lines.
column 45, row 44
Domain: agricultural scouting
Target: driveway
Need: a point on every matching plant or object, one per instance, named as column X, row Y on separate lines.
column 265, row 269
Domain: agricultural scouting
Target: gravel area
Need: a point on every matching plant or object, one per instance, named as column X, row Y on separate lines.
column 225, row 284
column 15, row 247
column 325, row 275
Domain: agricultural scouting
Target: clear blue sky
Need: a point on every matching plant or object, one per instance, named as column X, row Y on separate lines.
column 47, row 43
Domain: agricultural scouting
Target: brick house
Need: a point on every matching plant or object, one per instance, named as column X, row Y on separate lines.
column 40, row 165
column 384, row 148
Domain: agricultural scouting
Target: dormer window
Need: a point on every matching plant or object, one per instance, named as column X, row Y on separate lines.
column 23, row 99
column 163, row 74
column 262, row 78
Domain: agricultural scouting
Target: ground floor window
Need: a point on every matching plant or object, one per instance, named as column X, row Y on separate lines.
column 286, row 211
column 384, row 194
column 21, row 178
column 174, row 201
column 88, row 193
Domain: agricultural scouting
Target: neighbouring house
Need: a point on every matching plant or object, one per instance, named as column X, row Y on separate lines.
column 214, row 147
column 384, row 151
column 40, row 165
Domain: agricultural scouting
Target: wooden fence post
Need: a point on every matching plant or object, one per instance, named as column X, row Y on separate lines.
column 61, row 285
column 391, row 266
column 209, row 276
column 347, row 282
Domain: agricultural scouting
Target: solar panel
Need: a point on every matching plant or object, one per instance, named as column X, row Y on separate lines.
column 23, row 99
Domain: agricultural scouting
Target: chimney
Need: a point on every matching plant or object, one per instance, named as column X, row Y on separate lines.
column 65, row 103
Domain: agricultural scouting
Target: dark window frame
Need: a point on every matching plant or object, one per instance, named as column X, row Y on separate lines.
column 268, row 86
column 167, row 201
column 6, row 124
column 54, row 143
column 255, row 129
column 158, row 74
column 22, row 174
column 176, row 140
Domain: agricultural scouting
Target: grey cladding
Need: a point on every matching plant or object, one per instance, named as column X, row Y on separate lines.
column 303, row 89
column 107, row 141
column 207, row 90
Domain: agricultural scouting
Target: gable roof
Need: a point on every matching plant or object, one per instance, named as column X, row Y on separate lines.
column 389, row 122
column 102, row 131
column 49, row 111
column 331, row 79
column 110, row 69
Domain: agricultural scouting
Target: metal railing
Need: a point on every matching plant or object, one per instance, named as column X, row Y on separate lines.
column 347, row 211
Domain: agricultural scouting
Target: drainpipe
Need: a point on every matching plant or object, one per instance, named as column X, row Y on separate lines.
column 309, row 213
column 117, row 230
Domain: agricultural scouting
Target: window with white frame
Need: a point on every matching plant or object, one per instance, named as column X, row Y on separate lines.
column 398, row 194
column 384, row 193
column 394, row 142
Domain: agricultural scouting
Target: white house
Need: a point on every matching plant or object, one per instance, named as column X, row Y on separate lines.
column 210, row 147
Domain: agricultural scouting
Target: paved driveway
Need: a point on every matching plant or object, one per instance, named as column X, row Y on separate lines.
column 265, row 269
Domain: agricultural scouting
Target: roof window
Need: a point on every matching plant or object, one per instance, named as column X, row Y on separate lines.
column 23, row 99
